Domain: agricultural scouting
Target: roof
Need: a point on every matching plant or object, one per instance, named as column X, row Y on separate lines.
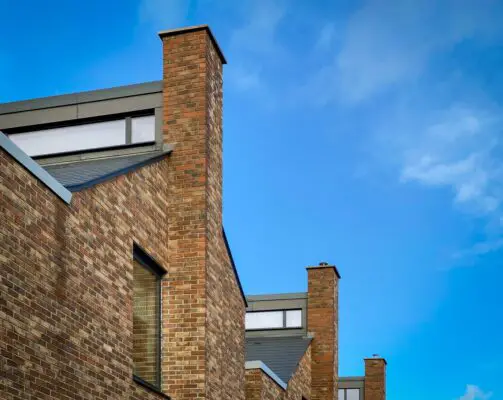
column 70, row 99
column 36, row 170
column 281, row 354
column 80, row 175
column 260, row 365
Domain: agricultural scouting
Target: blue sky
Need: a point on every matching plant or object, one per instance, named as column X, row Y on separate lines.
column 363, row 133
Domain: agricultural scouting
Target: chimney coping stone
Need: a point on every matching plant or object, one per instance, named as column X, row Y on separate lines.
column 195, row 28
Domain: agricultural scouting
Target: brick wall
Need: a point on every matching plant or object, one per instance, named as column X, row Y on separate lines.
column 260, row 386
column 68, row 270
column 205, row 345
column 66, row 274
column 299, row 384
column 375, row 379
column 322, row 322
column 253, row 385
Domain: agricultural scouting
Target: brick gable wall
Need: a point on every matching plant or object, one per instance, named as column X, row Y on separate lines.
column 299, row 385
column 66, row 276
column 67, row 270
column 260, row 386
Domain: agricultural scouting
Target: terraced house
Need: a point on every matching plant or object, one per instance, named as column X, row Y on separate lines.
column 117, row 280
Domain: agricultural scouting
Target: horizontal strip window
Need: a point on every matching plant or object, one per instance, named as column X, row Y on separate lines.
column 277, row 319
column 349, row 394
column 87, row 136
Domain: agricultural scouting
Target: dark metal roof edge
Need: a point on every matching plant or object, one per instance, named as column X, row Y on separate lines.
column 310, row 339
column 351, row 378
column 277, row 296
column 258, row 364
column 90, row 96
column 36, row 170
column 229, row 252
column 195, row 28
column 113, row 174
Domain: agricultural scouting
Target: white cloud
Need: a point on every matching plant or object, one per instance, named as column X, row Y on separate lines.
column 459, row 151
column 391, row 42
column 244, row 79
column 257, row 36
column 480, row 249
column 473, row 392
column 254, row 43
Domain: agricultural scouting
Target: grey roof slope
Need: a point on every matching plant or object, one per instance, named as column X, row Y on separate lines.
column 80, row 175
column 280, row 354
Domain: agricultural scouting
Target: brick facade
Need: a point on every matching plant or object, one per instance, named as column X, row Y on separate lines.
column 260, row 386
column 67, row 271
column 299, row 386
column 323, row 323
column 375, row 379
column 67, row 277
column 204, row 351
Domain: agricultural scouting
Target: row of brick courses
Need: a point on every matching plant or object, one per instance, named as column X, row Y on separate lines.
column 299, row 385
column 66, row 279
column 205, row 346
column 323, row 323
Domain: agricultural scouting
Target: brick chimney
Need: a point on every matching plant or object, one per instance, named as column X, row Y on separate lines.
column 203, row 335
column 323, row 324
column 375, row 378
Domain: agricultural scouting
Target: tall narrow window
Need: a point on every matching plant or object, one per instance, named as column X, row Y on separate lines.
column 147, row 276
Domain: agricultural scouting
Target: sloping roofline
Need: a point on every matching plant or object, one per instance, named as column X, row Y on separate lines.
column 36, row 170
column 257, row 364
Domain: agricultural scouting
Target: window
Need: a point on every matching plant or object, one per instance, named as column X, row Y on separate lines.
column 349, row 394
column 278, row 319
column 147, row 276
column 264, row 320
column 83, row 137
column 143, row 129
column 293, row 318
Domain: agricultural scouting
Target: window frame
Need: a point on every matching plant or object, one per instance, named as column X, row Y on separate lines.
column 345, row 391
column 284, row 327
column 128, row 134
column 150, row 264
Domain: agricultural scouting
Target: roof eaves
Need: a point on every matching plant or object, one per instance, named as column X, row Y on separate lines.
column 118, row 172
column 257, row 364
column 90, row 96
column 36, row 170
column 229, row 252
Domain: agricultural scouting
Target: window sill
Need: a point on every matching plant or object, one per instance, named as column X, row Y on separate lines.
column 150, row 387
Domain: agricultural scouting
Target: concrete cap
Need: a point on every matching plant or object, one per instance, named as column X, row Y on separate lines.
column 195, row 28
column 324, row 264
column 376, row 357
